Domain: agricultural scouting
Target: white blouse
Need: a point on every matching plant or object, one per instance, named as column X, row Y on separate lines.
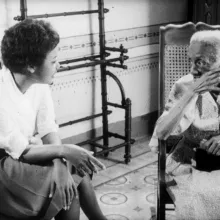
column 23, row 115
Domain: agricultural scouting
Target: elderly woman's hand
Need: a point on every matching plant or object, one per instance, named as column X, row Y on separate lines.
column 212, row 146
column 207, row 82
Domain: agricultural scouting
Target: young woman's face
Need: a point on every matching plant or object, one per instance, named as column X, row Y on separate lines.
column 203, row 58
column 45, row 73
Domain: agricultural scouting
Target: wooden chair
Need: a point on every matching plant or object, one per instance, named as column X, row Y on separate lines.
column 173, row 64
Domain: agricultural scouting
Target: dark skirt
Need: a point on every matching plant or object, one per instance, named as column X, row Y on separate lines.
column 25, row 188
column 206, row 162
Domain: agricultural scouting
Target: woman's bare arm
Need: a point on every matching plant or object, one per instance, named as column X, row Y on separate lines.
column 51, row 138
column 39, row 153
column 167, row 123
column 78, row 156
column 207, row 82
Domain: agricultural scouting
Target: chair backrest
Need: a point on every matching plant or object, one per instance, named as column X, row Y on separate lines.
column 174, row 62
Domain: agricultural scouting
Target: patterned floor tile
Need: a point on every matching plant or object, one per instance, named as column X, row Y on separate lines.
column 130, row 194
column 98, row 179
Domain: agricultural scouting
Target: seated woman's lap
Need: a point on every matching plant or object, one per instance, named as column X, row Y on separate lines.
column 25, row 189
column 206, row 162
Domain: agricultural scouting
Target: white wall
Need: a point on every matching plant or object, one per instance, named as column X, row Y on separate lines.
column 123, row 13
column 134, row 23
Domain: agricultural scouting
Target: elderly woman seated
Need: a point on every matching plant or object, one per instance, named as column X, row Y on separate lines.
column 193, row 110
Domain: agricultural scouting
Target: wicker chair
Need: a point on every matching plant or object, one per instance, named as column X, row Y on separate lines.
column 174, row 63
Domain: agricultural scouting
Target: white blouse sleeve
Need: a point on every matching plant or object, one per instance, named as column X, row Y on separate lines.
column 46, row 116
column 187, row 118
column 11, row 139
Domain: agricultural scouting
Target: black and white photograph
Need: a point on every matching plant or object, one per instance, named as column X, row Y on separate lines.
column 109, row 109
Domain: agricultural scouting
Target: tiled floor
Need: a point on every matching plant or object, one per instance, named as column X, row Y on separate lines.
column 127, row 192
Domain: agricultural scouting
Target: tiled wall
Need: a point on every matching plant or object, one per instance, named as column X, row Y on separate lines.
column 133, row 23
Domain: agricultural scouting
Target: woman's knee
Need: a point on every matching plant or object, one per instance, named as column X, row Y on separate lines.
column 72, row 213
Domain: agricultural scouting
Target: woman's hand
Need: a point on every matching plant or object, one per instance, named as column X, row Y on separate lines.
column 64, row 182
column 212, row 146
column 207, row 82
column 82, row 159
column 62, row 176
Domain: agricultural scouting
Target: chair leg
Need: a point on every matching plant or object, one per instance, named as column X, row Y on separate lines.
column 161, row 212
column 161, row 181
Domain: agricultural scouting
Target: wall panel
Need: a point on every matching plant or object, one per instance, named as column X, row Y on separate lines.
column 133, row 23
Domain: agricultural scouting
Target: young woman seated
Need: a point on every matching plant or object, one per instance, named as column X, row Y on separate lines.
column 35, row 181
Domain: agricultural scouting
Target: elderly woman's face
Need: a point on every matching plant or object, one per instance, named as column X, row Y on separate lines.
column 45, row 73
column 203, row 58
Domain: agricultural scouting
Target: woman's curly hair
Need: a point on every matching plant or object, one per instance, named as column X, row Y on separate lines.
column 27, row 43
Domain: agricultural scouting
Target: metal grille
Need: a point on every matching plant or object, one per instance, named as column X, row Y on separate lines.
column 176, row 65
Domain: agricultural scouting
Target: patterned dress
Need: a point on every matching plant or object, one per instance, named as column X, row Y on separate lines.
column 196, row 193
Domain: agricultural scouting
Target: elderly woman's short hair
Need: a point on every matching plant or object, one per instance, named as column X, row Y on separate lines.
column 27, row 43
column 208, row 38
